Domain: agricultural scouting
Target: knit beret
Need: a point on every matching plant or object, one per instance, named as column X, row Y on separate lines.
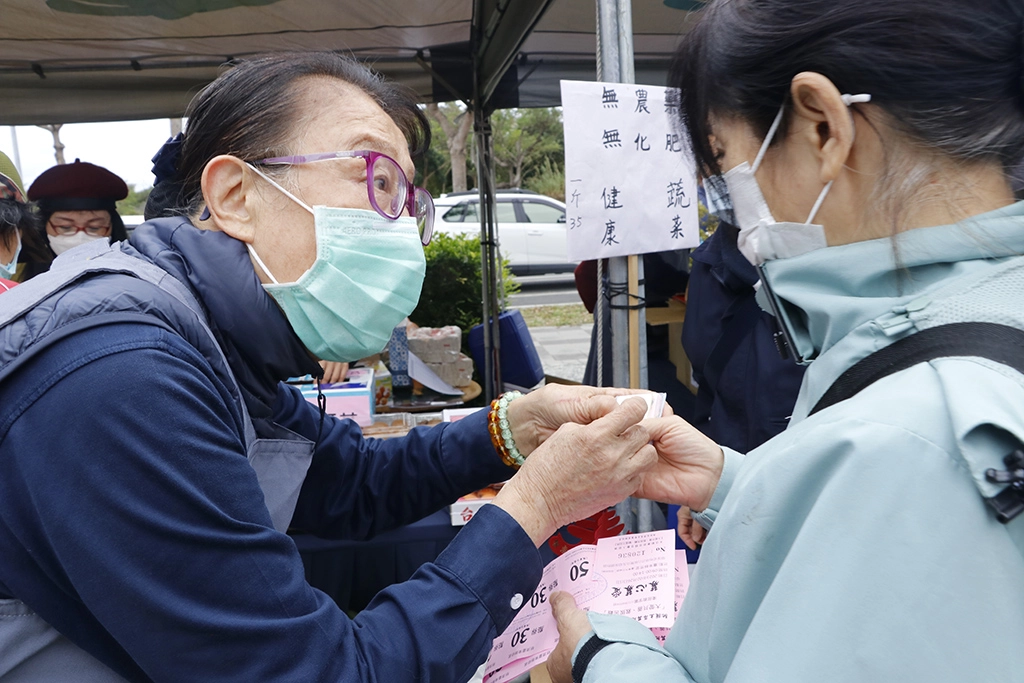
column 10, row 181
column 78, row 186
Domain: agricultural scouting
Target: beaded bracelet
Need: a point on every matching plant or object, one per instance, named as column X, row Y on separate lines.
column 501, row 433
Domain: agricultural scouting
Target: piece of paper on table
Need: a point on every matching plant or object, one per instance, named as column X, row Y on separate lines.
column 456, row 414
column 634, row 575
column 419, row 371
column 655, row 403
column 630, row 184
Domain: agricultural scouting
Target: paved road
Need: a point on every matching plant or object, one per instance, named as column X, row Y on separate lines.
column 545, row 290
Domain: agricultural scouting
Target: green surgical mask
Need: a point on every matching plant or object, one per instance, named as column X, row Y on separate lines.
column 366, row 279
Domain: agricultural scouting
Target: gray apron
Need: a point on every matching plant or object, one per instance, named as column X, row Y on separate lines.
column 30, row 649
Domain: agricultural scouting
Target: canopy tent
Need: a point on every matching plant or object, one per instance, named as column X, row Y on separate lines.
column 69, row 61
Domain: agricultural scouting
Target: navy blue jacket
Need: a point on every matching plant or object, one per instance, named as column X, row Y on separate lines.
column 747, row 390
column 132, row 522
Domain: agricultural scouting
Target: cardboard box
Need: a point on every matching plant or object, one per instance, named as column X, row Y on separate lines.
column 381, row 384
column 352, row 399
column 436, row 344
column 465, row 507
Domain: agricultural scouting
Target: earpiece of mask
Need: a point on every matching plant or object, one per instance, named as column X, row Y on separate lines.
column 761, row 237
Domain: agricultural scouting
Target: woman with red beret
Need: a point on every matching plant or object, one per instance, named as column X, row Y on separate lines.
column 77, row 203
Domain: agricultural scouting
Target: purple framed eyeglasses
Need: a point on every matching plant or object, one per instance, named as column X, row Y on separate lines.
column 387, row 187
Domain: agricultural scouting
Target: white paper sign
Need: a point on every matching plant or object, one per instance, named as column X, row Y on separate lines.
column 629, row 186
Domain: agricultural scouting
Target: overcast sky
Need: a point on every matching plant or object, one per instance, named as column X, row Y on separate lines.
column 124, row 147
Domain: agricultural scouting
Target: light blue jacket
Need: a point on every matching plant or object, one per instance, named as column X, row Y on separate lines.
column 857, row 545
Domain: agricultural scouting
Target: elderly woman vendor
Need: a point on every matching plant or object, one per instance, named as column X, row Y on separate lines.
column 142, row 538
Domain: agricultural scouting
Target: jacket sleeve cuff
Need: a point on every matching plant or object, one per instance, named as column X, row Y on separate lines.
column 470, row 435
column 733, row 462
column 497, row 561
column 611, row 658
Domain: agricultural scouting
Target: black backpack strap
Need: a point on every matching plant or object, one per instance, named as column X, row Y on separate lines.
column 999, row 343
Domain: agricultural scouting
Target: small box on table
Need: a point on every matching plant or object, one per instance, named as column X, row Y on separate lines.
column 465, row 507
column 352, row 399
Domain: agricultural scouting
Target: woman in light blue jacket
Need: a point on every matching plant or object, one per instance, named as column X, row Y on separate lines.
column 867, row 149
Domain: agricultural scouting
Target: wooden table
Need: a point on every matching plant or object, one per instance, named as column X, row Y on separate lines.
column 469, row 392
column 673, row 315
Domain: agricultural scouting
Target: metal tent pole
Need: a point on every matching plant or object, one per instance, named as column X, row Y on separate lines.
column 490, row 263
column 16, row 151
column 625, row 274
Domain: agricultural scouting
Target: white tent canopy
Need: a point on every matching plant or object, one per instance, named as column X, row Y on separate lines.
column 67, row 61
column 70, row 61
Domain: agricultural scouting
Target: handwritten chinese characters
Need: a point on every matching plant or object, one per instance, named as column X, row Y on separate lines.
column 630, row 184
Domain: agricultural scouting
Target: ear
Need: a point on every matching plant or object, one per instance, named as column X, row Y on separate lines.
column 228, row 191
column 817, row 99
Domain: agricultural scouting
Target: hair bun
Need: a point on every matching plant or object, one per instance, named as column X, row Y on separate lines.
column 165, row 161
column 1020, row 53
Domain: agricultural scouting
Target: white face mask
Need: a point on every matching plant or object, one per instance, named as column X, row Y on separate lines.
column 761, row 237
column 61, row 243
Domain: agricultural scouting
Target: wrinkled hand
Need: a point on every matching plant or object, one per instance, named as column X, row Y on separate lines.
column 334, row 372
column 688, row 468
column 579, row 470
column 535, row 416
column 572, row 626
column 692, row 533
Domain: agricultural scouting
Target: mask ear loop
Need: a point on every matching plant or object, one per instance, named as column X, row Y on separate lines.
column 847, row 100
column 288, row 194
column 259, row 261
column 273, row 182
column 768, row 139
column 817, row 204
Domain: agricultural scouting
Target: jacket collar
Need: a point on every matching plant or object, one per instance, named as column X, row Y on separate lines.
column 254, row 334
column 721, row 254
column 821, row 296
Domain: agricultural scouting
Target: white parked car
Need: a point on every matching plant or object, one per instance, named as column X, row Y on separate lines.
column 531, row 228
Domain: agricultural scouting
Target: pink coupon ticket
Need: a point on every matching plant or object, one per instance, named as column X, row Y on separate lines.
column 639, row 575
column 633, row 575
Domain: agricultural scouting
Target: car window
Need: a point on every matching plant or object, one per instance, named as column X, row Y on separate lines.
column 506, row 212
column 455, row 214
column 467, row 213
column 538, row 212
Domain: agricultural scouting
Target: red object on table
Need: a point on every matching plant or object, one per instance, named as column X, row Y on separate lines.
column 601, row 525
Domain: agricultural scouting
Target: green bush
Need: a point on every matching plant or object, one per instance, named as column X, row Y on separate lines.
column 452, row 288
column 550, row 181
